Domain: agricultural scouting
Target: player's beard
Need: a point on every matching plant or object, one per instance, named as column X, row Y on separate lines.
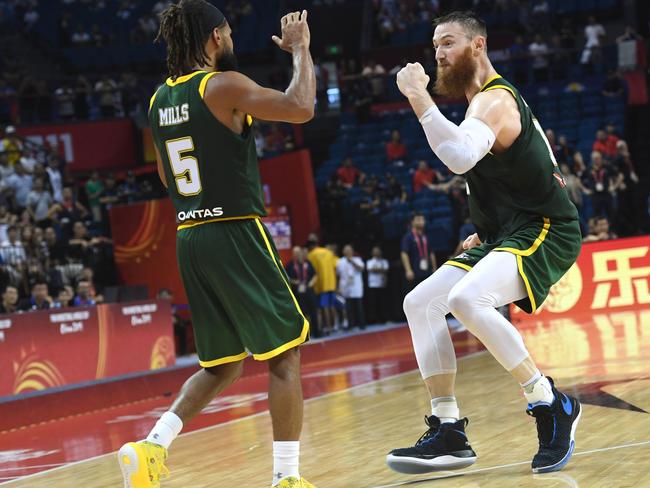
column 228, row 61
column 452, row 81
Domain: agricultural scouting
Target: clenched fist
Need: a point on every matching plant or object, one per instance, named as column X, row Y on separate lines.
column 295, row 31
column 412, row 80
column 471, row 241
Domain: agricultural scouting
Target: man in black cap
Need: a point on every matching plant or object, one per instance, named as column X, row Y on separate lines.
column 239, row 295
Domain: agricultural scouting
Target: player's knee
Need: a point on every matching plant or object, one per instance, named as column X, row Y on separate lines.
column 413, row 303
column 285, row 365
column 460, row 300
column 229, row 372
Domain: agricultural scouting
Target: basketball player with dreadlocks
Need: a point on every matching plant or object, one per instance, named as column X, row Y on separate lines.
column 528, row 237
column 238, row 293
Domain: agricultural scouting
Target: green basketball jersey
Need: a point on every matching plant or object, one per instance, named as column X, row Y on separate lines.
column 212, row 173
column 520, row 185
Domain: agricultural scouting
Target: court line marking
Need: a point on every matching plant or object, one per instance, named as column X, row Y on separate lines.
column 54, row 465
column 510, row 465
column 230, row 422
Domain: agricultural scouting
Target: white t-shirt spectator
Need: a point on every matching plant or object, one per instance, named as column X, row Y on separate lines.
column 377, row 279
column 539, row 52
column 22, row 185
column 56, row 181
column 40, row 203
column 593, row 34
column 13, row 253
column 350, row 278
column 28, row 161
column 80, row 37
column 65, row 97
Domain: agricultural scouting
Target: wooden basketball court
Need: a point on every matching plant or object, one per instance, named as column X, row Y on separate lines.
column 604, row 360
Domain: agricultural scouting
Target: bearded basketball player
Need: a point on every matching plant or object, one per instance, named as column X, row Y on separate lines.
column 238, row 292
column 528, row 237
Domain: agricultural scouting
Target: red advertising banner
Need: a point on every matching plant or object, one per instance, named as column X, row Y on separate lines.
column 40, row 350
column 87, row 146
column 608, row 276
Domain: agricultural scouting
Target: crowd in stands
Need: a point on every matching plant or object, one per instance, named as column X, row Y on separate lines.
column 55, row 246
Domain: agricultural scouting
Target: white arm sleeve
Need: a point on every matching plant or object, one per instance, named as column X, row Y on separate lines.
column 460, row 147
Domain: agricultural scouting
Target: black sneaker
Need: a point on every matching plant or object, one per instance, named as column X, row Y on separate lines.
column 441, row 447
column 556, row 428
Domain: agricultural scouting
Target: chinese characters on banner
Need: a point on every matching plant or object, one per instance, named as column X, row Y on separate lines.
column 608, row 276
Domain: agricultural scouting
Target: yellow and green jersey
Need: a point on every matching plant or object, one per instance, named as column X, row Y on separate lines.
column 524, row 183
column 212, row 173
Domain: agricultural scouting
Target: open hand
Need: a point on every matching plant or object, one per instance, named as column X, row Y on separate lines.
column 295, row 31
column 412, row 79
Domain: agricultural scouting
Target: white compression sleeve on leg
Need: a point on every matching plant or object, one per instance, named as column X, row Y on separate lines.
column 460, row 147
column 426, row 307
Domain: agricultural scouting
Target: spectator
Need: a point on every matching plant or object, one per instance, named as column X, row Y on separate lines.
column 28, row 160
column 81, row 247
column 418, row 261
column 94, row 188
column 80, row 37
column 605, row 144
column 9, row 300
column 82, row 90
column 6, row 219
column 83, row 298
column 30, row 18
column 630, row 34
column 578, row 168
column 64, row 298
column 395, row 192
column 87, row 274
column 39, row 202
column 276, row 141
column 349, row 175
column 598, row 185
column 517, row 52
column 55, row 177
column 349, row 270
column 574, row 186
column 395, row 148
column 324, row 262
column 106, row 89
column 68, row 211
column 128, row 191
column 426, row 177
column 13, row 253
column 539, row 51
column 563, row 151
column 20, row 184
column 594, row 32
column 550, row 137
column 378, row 299
column 55, row 249
column 601, row 231
column 64, row 96
column 613, row 86
column 303, row 278
column 5, row 169
column 12, row 145
column 39, row 298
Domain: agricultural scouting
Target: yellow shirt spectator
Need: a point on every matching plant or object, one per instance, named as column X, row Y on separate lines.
column 324, row 262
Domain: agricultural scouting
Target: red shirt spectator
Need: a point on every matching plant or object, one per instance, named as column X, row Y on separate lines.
column 605, row 144
column 348, row 174
column 395, row 148
column 423, row 177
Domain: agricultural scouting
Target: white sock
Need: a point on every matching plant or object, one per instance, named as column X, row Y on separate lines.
column 538, row 390
column 445, row 408
column 286, row 460
column 166, row 430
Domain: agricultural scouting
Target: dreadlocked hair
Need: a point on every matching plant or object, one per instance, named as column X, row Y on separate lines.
column 183, row 31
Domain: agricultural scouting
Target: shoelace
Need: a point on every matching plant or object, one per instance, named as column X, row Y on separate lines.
column 432, row 433
column 544, row 422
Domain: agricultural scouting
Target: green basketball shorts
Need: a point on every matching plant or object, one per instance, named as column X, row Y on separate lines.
column 238, row 292
column 545, row 250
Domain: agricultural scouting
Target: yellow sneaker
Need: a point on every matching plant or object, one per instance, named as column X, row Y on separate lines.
column 142, row 464
column 292, row 482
